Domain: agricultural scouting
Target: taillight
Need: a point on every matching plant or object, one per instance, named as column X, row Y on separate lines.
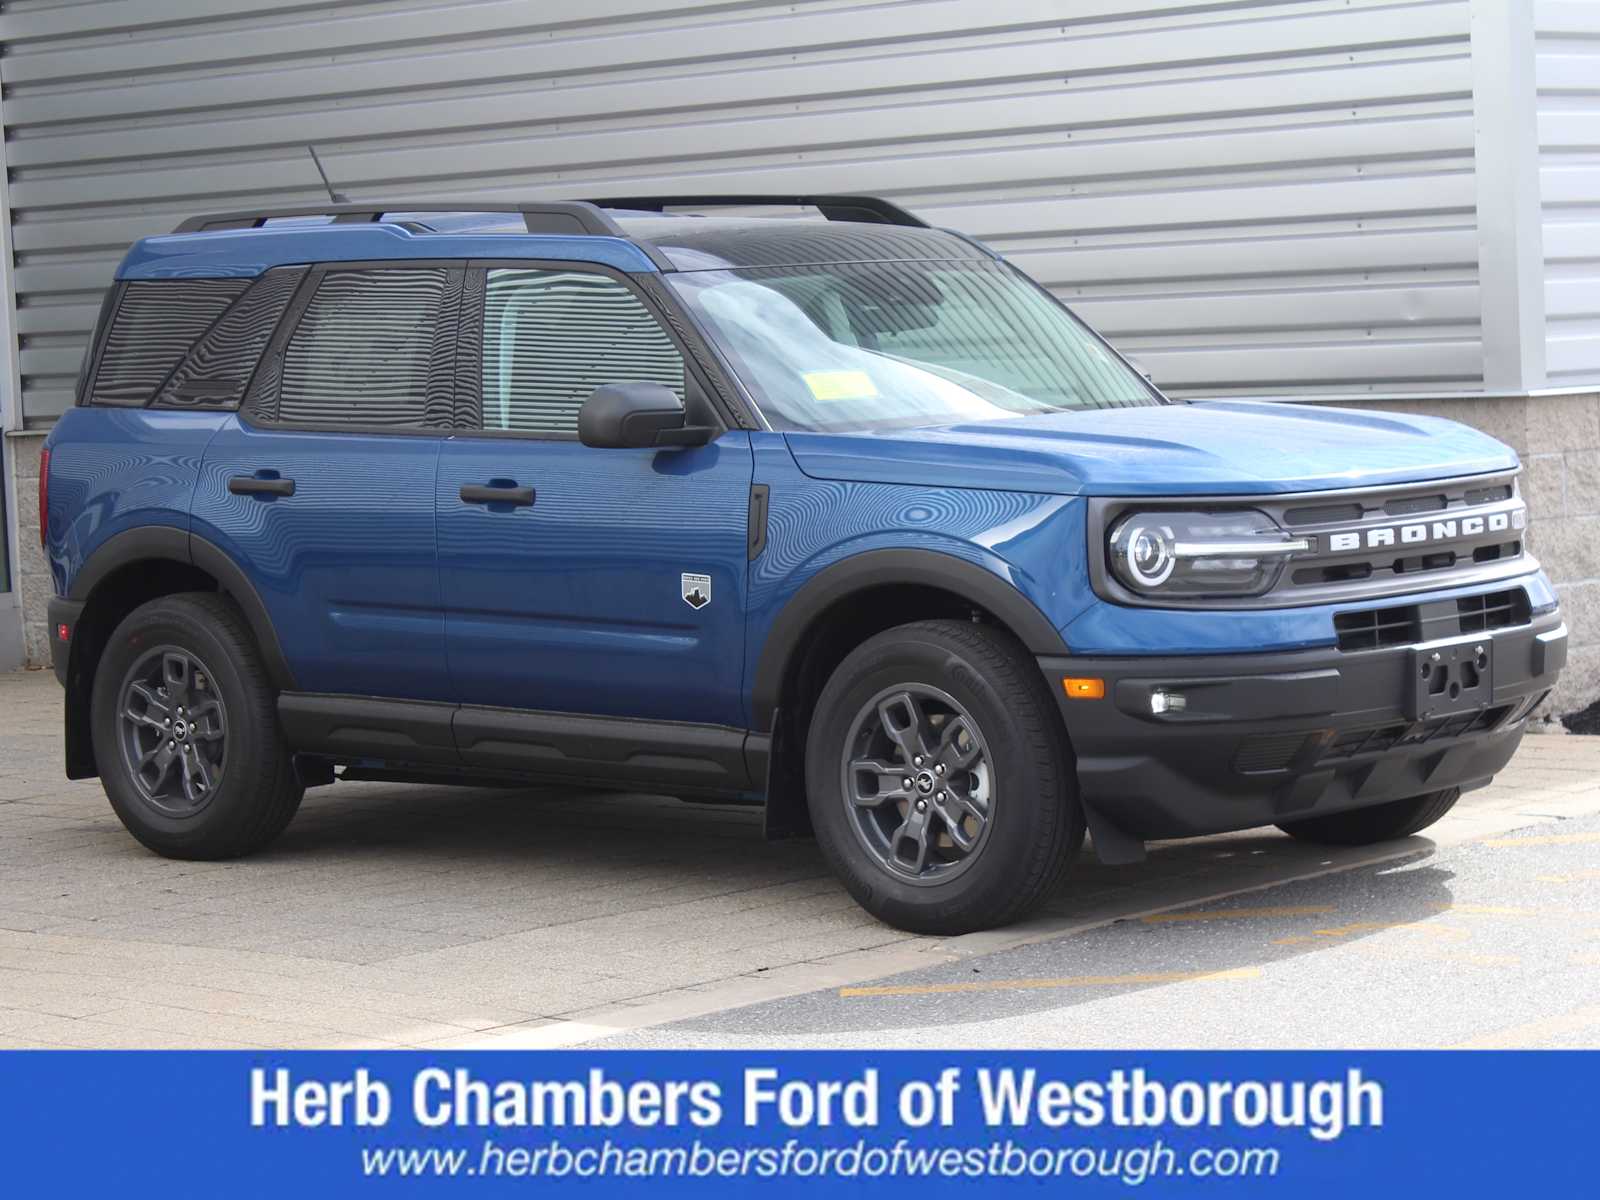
column 44, row 494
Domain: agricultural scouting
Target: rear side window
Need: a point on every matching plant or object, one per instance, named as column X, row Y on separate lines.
column 219, row 367
column 156, row 323
column 551, row 337
column 373, row 350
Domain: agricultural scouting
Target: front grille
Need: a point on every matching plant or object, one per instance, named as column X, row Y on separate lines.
column 1375, row 628
column 1386, row 536
column 1409, row 624
column 1496, row 610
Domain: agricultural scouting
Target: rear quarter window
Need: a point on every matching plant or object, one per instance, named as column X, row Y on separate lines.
column 156, row 324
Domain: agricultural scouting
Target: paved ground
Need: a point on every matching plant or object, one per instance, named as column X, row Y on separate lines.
column 1491, row 943
column 392, row 916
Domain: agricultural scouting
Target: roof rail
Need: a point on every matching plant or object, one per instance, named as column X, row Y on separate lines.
column 868, row 209
column 559, row 216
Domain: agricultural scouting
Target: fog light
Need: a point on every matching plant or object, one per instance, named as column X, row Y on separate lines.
column 1167, row 702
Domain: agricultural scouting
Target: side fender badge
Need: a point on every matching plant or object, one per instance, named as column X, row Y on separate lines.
column 696, row 590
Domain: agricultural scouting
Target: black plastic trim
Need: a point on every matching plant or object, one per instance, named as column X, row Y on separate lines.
column 656, row 754
column 157, row 542
column 866, row 209
column 368, row 727
column 668, row 756
column 756, row 531
column 877, row 568
column 1183, row 772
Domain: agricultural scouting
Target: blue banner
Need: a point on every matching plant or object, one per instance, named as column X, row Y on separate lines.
column 618, row 1124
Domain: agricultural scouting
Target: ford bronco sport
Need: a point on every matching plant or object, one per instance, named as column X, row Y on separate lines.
column 847, row 517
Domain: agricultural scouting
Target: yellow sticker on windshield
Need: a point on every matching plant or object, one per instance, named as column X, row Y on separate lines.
column 840, row 385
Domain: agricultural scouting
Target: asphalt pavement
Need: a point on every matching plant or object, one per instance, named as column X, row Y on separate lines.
column 1494, row 942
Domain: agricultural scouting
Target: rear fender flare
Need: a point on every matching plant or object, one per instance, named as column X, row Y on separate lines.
column 156, row 543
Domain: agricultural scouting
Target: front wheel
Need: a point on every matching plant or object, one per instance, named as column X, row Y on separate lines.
column 186, row 734
column 1380, row 823
column 939, row 780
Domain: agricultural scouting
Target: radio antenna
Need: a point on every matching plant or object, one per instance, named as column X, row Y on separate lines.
column 334, row 196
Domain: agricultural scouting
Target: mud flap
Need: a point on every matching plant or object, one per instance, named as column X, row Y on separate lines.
column 785, row 811
column 1113, row 845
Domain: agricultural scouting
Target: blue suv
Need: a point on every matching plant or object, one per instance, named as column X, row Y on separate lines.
column 845, row 517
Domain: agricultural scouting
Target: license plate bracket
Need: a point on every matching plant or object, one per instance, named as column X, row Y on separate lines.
column 1451, row 677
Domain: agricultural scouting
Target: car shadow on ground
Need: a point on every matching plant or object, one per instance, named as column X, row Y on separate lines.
column 1221, row 943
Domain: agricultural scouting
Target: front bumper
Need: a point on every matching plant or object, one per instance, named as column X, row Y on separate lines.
column 1264, row 738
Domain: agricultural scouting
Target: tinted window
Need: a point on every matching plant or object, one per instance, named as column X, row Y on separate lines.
column 220, row 365
column 551, row 337
column 369, row 350
column 156, row 323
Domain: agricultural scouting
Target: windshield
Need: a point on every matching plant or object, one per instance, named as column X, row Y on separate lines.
column 854, row 346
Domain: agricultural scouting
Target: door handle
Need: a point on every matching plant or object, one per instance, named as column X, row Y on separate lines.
column 477, row 493
column 254, row 485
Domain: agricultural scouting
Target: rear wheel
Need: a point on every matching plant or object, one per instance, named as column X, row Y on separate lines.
column 1380, row 823
column 939, row 780
column 186, row 733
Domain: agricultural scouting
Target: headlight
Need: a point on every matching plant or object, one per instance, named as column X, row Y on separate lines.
column 1192, row 554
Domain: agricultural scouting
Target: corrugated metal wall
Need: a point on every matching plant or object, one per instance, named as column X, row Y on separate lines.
column 1248, row 195
column 1568, row 73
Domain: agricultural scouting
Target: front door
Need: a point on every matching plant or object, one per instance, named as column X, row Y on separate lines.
column 586, row 581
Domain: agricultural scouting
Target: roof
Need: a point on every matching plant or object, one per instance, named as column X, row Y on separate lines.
column 640, row 237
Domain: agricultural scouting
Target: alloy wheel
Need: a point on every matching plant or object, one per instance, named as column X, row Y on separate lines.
column 174, row 731
column 918, row 783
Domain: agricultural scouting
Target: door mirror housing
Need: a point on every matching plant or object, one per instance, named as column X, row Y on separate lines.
column 621, row 416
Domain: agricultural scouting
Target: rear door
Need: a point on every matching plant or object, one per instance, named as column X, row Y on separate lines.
column 321, row 488
column 607, row 582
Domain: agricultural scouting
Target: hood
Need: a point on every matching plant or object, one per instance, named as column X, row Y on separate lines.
column 1219, row 448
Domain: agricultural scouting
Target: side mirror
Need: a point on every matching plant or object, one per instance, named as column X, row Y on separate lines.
column 637, row 416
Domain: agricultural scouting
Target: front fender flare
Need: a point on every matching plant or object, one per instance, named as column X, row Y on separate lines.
column 875, row 568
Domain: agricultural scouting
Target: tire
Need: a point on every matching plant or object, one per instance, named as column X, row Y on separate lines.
column 1380, row 823
column 216, row 797
column 1014, row 796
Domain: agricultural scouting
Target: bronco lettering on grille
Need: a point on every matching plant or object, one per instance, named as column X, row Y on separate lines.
column 1420, row 532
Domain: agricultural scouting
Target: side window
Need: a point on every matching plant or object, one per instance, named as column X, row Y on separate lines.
column 374, row 349
column 155, row 325
column 551, row 337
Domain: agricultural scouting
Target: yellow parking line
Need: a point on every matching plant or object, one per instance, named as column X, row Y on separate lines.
column 1071, row 981
column 1553, row 839
column 1569, row 877
column 1447, row 931
column 1230, row 914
